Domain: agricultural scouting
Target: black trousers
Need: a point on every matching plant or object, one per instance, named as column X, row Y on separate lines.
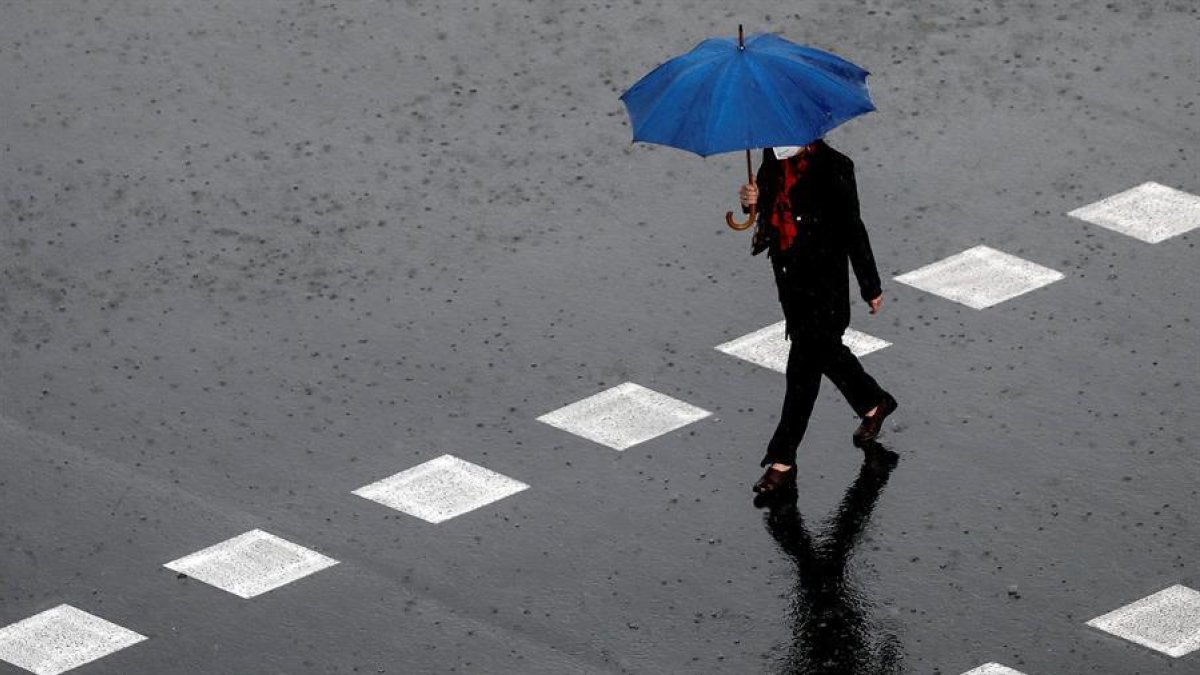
column 812, row 355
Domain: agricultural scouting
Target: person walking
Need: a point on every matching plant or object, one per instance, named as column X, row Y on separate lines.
column 810, row 226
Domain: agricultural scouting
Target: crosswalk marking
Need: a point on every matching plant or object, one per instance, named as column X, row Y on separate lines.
column 251, row 563
column 442, row 488
column 1167, row 621
column 768, row 348
column 980, row 277
column 1151, row 212
column 60, row 639
column 624, row 416
column 993, row 669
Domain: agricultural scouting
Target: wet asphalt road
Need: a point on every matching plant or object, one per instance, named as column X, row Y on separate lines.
column 257, row 255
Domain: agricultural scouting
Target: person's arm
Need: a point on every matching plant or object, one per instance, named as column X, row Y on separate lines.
column 758, row 181
column 761, row 240
column 858, row 245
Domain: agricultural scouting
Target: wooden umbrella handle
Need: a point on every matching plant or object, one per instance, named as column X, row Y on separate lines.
column 741, row 226
column 750, row 179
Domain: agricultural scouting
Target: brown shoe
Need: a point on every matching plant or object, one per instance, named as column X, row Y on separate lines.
column 775, row 479
column 869, row 429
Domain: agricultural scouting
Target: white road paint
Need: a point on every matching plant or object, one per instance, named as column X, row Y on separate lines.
column 1151, row 212
column 251, row 564
column 980, row 277
column 440, row 489
column 768, row 348
column 624, row 416
column 62, row 638
column 1167, row 621
column 993, row 669
column 861, row 344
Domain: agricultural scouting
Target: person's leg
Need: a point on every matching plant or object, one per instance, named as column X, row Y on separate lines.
column 803, row 384
column 842, row 368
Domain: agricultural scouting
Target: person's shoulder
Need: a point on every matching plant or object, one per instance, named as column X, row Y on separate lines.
column 835, row 157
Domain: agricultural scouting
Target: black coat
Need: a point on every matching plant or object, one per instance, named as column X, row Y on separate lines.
column 812, row 276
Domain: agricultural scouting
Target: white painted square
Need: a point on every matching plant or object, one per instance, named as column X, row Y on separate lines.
column 1150, row 212
column 980, row 277
column 62, row 638
column 624, row 416
column 993, row 669
column 1167, row 621
column 768, row 348
column 251, row 564
column 440, row 489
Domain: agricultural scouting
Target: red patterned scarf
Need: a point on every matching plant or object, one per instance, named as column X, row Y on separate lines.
column 781, row 212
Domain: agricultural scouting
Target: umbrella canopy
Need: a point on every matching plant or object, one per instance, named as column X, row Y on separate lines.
column 723, row 96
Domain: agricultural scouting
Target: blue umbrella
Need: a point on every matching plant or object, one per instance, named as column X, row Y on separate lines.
column 758, row 92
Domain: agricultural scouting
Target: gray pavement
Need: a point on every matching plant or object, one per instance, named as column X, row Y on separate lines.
column 259, row 255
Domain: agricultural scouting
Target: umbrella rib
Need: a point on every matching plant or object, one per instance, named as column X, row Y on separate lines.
column 662, row 96
column 849, row 84
column 816, row 93
column 814, row 58
column 775, row 104
column 716, row 115
column 810, row 92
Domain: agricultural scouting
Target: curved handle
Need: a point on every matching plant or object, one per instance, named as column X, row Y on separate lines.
column 749, row 179
column 741, row 226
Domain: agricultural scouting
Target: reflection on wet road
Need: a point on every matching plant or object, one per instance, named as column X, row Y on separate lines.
column 830, row 614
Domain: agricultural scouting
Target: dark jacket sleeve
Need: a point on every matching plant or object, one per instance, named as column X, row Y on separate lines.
column 858, row 245
column 761, row 240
